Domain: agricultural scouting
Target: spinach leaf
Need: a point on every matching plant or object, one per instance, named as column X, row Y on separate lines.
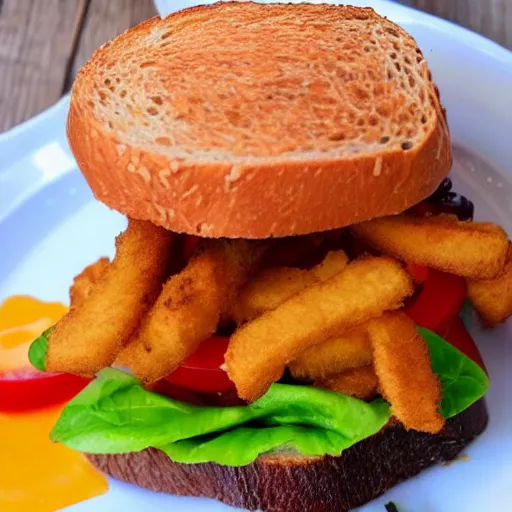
column 463, row 381
column 115, row 414
column 37, row 351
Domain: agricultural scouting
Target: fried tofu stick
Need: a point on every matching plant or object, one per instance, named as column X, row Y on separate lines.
column 333, row 263
column 91, row 334
column 272, row 286
column 492, row 298
column 84, row 283
column 402, row 363
column 352, row 349
column 189, row 308
column 469, row 249
column 259, row 351
column 360, row 383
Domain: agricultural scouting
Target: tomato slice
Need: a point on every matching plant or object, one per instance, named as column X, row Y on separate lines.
column 460, row 338
column 28, row 388
column 439, row 301
column 202, row 370
column 418, row 273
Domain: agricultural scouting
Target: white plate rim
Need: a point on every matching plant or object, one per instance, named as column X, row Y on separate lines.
column 35, row 129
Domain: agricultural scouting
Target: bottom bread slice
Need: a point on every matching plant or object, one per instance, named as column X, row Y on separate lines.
column 283, row 483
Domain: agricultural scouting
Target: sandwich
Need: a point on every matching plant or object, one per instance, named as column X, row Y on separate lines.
column 280, row 327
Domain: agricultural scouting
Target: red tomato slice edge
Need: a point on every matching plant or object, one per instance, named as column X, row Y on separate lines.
column 438, row 302
column 27, row 388
column 202, row 370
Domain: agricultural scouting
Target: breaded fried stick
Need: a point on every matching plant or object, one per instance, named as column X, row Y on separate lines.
column 402, row 363
column 259, row 351
column 272, row 286
column 476, row 250
column 190, row 306
column 91, row 334
column 352, row 349
column 84, row 283
column 492, row 298
column 360, row 383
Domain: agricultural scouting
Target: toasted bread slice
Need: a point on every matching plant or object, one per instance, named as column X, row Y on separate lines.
column 249, row 120
column 283, row 483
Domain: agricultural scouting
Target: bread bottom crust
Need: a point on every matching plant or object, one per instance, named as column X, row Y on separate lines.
column 306, row 484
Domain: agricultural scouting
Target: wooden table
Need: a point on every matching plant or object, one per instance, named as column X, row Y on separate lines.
column 44, row 42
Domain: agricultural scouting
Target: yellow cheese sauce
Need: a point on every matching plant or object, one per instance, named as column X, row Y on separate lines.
column 36, row 474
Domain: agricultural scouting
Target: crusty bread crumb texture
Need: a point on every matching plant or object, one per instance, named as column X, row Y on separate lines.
column 249, row 120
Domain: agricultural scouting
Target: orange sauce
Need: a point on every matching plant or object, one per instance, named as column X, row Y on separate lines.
column 22, row 319
column 36, row 474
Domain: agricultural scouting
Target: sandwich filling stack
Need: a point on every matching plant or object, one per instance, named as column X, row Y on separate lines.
column 280, row 325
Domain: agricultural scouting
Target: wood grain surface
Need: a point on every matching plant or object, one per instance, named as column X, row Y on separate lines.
column 44, row 42
column 492, row 18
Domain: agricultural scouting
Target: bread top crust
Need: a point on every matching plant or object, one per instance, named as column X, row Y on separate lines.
column 220, row 117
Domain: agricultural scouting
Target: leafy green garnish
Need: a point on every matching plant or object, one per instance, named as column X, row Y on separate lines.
column 463, row 381
column 115, row 414
column 391, row 507
column 37, row 351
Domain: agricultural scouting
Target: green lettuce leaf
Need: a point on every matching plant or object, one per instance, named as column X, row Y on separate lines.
column 463, row 381
column 37, row 351
column 243, row 445
column 115, row 414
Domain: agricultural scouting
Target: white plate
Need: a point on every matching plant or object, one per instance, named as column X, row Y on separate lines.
column 50, row 227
